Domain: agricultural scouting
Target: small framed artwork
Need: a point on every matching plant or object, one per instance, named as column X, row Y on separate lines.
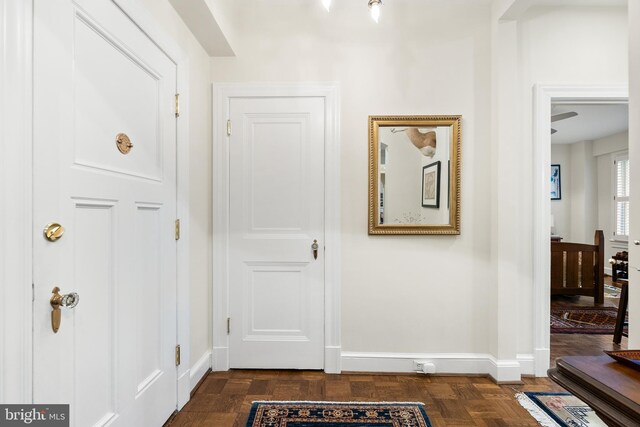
column 431, row 185
column 555, row 183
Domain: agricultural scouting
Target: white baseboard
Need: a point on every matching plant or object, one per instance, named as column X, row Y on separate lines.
column 542, row 357
column 607, row 271
column 527, row 364
column 220, row 359
column 452, row 363
column 332, row 359
column 199, row 369
column 184, row 389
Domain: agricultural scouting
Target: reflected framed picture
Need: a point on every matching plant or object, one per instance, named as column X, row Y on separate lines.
column 556, row 193
column 431, row 185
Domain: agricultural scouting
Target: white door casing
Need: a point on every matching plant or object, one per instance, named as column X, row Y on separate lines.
column 276, row 214
column 95, row 75
column 543, row 96
column 225, row 196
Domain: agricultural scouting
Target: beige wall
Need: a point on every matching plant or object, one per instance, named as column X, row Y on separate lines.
column 399, row 294
column 402, row 66
column 559, row 45
column 198, row 104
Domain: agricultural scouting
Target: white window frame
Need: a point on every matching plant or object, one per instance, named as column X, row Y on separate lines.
column 622, row 155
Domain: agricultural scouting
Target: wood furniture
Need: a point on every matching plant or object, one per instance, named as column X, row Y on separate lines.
column 620, row 267
column 578, row 269
column 610, row 388
column 618, row 331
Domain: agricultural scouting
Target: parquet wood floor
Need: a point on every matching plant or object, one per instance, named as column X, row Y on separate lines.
column 224, row 398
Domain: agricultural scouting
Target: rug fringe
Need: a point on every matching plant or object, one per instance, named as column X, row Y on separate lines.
column 540, row 416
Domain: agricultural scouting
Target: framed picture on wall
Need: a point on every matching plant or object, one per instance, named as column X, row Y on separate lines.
column 555, row 183
column 431, row 185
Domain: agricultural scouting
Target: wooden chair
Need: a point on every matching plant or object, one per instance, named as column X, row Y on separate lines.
column 578, row 269
column 618, row 332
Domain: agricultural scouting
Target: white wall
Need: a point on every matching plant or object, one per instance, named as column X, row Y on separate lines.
column 558, row 45
column 604, row 150
column 198, row 103
column 409, row 294
column 561, row 209
column 584, row 192
column 581, row 200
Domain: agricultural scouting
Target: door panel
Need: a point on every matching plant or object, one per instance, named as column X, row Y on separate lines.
column 277, row 208
column 96, row 74
column 100, row 108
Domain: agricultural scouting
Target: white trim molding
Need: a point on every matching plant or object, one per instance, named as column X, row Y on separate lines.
column 222, row 93
column 199, row 370
column 502, row 371
column 16, row 70
column 543, row 95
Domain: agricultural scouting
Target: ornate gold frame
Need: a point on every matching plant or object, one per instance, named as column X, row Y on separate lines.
column 453, row 227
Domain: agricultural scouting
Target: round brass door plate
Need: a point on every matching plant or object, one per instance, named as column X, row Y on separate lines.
column 53, row 231
column 123, row 143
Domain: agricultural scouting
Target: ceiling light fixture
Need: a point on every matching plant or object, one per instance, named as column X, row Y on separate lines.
column 326, row 4
column 374, row 5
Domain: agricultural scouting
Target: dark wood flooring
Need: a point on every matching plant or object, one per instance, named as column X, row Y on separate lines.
column 224, row 398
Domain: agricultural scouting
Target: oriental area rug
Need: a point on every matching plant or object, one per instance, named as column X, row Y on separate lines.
column 337, row 414
column 559, row 410
column 583, row 320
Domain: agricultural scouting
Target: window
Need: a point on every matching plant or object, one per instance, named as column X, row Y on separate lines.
column 621, row 196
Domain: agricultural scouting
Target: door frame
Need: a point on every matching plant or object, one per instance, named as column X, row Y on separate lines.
column 543, row 95
column 222, row 95
column 16, row 332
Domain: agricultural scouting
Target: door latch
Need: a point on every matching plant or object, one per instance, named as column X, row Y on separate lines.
column 69, row 300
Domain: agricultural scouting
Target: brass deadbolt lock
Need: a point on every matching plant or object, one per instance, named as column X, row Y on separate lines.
column 53, row 231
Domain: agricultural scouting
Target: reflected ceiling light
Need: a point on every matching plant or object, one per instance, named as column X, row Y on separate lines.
column 374, row 5
column 326, row 4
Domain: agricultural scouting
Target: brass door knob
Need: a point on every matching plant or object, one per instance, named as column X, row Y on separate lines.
column 69, row 300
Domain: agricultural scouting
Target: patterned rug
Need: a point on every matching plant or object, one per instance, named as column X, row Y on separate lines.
column 559, row 410
column 337, row 414
column 583, row 320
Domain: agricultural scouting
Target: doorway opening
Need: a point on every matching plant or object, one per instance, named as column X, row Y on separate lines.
column 553, row 217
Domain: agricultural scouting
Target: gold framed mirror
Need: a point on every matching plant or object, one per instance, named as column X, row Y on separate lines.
column 414, row 174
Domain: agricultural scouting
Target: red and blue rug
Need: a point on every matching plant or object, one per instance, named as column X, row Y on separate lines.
column 337, row 414
column 583, row 320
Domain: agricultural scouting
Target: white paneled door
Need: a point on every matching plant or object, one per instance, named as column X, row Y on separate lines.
column 276, row 278
column 96, row 76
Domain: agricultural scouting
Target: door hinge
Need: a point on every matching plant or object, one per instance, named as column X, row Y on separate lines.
column 177, row 105
column 228, row 325
column 228, row 127
column 178, row 355
column 177, row 229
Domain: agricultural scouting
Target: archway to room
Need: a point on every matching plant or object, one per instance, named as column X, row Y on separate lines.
column 589, row 192
column 552, row 99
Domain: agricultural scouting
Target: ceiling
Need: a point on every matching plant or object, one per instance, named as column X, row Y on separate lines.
column 594, row 121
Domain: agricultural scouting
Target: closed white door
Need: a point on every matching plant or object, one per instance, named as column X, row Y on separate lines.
column 97, row 75
column 276, row 279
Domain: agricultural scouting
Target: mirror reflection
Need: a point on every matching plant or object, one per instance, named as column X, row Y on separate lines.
column 411, row 162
